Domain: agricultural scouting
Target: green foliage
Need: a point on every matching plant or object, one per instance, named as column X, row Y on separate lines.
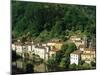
column 81, row 66
column 93, row 64
column 81, row 62
column 64, row 47
column 71, row 47
column 68, row 48
column 45, row 21
column 73, row 67
column 62, row 58
column 59, row 56
column 44, row 36
column 64, row 64
column 52, row 64
column 52, row 59
column 86, row 66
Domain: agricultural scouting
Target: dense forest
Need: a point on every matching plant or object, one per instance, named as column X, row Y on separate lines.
column 44, row 21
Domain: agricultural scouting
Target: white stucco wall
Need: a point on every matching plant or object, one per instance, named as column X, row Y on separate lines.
column 19, row 49
column 13, row 47
column 74, row 58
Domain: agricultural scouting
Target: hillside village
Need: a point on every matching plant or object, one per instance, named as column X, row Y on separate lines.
column 48, row 49
column 51, row 37
column 44, row 50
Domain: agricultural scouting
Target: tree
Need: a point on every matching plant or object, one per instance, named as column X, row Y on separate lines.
column 51, row 63
column 64, row 47
column 59, row 56
column 86, row 66
column 81, row 62
column 64, row 64
column 44, row 36
column 93, row 64
column 71, row 47
column 36, row 18
column 73, row 66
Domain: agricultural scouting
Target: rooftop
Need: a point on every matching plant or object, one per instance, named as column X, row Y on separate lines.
column 55, row 49
column 19, row 43
column 78, row 40
column 90, row 49
column 87, row 54
column 77, row 52
column 81, row 46
column 71, row 37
